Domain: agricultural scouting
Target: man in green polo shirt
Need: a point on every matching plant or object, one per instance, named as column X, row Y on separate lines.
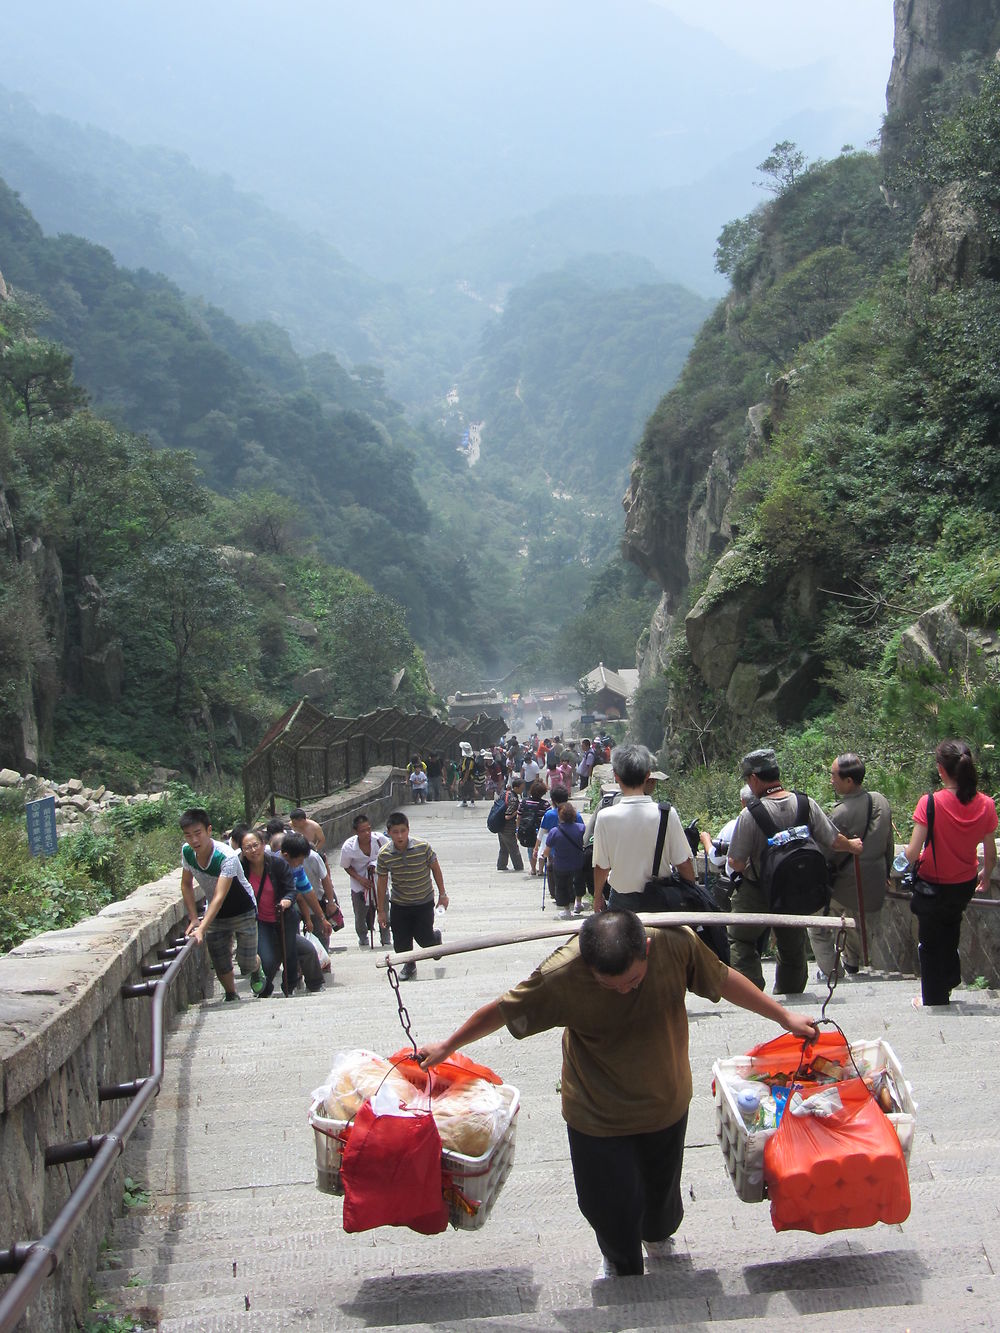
column 411, row 863
column 619, row 991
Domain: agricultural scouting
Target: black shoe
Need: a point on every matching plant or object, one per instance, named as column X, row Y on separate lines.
column 437, row 938
column 267, row 990
column 230, row 996
column 851, row 970
column 408, row 972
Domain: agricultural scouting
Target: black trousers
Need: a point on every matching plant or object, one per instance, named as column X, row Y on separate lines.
column 629, row 1189
column 939, row 929
column 412, row 921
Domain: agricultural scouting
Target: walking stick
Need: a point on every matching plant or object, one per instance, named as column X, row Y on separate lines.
column 563, row 928
column 545, row 872
column 370, row 907
column 862, row 923
column 284, row 950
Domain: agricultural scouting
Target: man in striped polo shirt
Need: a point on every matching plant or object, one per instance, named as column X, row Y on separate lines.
column 216, row 869
column 411, row 862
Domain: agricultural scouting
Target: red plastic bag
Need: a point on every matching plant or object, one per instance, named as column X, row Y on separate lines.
column 835, row 1172
column 391, row 1170
column 453, row 1072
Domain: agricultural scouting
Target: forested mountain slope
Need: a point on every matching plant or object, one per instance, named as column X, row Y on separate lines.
column 152, row 208
column 567, row 375
column 390, row 499
column 145, row 619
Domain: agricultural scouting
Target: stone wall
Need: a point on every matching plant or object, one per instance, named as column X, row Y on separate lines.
column 379, row 792
column 892, row 941
column 65, row 1030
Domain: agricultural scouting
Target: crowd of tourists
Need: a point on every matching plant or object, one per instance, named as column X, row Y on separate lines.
column 618, row 988
column 271, row 903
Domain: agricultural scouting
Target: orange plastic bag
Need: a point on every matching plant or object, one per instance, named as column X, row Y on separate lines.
column 839, row 1171
column 450, row 1073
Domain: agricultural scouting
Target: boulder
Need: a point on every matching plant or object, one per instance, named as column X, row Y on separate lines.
column 314, row 683
column 74, row 787
column 9, row 777
column 937, row 640
column 746, row 685
column 304, row 629
column 716, row 625
column 950, row 247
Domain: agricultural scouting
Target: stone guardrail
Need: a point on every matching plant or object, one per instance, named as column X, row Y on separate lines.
column 65, row 1030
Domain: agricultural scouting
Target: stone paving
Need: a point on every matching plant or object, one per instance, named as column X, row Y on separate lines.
column 238, row 1238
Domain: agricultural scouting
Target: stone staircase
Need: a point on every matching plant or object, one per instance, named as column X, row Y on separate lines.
column 237, row 1237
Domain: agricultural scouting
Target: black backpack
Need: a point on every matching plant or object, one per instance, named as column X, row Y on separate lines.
column 497, row 817
column 531, row 816
column 794, row 876
column 671, row 893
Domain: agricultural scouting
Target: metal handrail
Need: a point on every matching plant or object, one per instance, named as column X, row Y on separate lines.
column 34, row 1261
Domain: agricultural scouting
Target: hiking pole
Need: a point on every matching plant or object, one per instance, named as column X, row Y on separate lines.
column 545, row 872
column 862, row 923
column 564, row 928
column 284, row 950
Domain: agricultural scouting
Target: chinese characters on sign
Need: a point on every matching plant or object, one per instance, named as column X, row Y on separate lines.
column 41, row 816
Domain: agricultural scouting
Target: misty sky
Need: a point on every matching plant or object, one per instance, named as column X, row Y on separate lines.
column 853, row 38
column 398, row 128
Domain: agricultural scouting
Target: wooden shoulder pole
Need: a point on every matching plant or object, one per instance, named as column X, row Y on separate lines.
column 565, row 928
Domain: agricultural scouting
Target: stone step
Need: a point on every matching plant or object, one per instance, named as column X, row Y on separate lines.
column 185, row 1235
column 862, row 1287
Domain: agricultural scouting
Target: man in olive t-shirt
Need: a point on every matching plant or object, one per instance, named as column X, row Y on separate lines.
column 619, row 991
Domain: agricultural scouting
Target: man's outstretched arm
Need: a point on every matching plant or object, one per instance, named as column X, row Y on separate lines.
column 737, row 990
column 484, row 1021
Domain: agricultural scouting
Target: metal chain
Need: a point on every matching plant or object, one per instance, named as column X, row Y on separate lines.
column 834, row 977
column 404, row 1017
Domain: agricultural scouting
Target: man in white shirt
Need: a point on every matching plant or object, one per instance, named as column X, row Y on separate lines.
column 625, row 835
column 358, row 856
column 529, row 769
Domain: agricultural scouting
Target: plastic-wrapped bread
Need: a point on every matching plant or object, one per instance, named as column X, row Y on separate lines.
column 471, row 1117
column 356, row 1076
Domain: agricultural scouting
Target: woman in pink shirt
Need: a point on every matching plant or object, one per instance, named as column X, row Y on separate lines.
column 948, row 827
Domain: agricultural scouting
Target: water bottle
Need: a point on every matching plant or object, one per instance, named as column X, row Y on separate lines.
column 900, row 866
column 779, row 839
column 748, row 1102
column 799, row 832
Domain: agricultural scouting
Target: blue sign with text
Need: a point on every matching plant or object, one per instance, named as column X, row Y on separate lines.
column 42, row 837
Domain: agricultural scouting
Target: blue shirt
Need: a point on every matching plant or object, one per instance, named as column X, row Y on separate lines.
column 551, row 818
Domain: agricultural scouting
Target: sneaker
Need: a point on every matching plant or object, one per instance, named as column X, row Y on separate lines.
column 821, row 976
column 563, row 914
column 464, row 805
column 230, row 996
column 268, row 990
column 852, row 969
column 579, row 909
column 659, row 1249
column 437, row 939
column 408, row 972
column 257, row 981
column 607, row 1269
column 363, row 943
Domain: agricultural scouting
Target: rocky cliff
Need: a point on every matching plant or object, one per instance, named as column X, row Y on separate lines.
column 744, row 618
column 933, row 35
